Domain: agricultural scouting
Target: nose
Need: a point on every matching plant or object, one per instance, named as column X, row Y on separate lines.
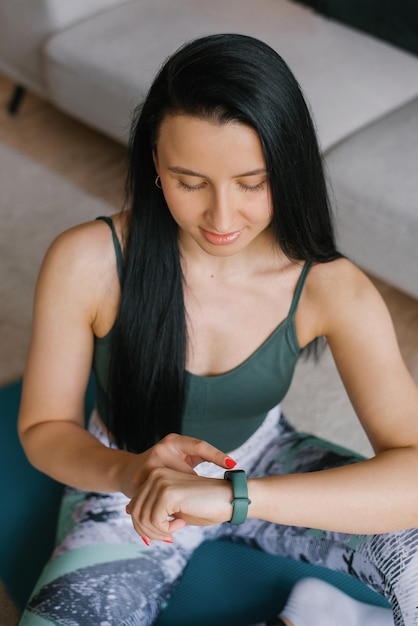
column 221, row 214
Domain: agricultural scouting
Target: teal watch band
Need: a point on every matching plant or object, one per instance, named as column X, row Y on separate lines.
column 241, row 501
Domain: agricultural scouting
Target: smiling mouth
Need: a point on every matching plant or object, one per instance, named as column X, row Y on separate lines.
column 221, row 239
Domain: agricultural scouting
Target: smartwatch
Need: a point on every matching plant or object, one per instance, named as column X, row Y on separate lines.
column 241, row 501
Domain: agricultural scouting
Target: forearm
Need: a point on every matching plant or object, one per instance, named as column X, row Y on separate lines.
column 374, row 496
column 68, row 453
column 71, row 455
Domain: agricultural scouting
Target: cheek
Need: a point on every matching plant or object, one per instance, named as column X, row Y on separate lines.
column 172, row 199
column 261, row 210
column 180, row 207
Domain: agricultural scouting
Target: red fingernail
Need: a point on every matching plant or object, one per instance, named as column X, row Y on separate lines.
column 168, row 540
column 146, row 541
column 127, row 510
column 230, row 463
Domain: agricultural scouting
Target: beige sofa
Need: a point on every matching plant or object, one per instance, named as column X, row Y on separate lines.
column 95, row 59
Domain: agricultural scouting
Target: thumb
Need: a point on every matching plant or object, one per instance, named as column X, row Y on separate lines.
column 176, row 524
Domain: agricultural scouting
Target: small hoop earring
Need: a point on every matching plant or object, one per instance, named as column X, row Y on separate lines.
column 158, row 182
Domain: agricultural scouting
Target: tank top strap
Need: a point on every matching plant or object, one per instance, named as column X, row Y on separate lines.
column 299, row 288
column 116, row 244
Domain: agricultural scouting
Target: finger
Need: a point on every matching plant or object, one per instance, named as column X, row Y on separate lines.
column 176, row 524
column 147, row 531
column 149, row 515
column 198, row 450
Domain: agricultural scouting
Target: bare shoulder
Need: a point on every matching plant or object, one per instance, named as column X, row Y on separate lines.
column 81, row 243
column 86, row 248
column 339, row 291
column 80, row 266
column 340, row 274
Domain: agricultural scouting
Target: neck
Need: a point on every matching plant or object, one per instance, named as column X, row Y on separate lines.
column 260, row 255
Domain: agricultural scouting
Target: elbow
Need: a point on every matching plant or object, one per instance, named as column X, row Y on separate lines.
column 25, row 436
column 34, row 439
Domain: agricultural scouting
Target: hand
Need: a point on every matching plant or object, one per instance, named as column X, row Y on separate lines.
column 176, row 452
column 185, row 498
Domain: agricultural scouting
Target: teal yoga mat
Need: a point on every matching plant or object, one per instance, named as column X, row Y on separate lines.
column 29, row 504
column 225, row 583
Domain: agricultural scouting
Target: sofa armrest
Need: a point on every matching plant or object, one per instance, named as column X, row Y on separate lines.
column 24, row 27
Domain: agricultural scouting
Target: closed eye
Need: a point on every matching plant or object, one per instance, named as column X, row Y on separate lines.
column 258, row 187
column 254, row 188
column 186, row 187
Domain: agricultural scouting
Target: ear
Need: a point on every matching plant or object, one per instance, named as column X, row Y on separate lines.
column 155, row 158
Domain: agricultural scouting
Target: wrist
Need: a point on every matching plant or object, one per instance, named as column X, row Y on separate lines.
column 263, row 492
column 123, row 472
column 252, row 494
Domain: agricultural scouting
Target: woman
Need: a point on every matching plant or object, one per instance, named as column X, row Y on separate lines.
column 226, row 268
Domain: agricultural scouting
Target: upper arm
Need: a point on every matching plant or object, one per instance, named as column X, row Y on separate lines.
column 66, row 302
column 363, row 342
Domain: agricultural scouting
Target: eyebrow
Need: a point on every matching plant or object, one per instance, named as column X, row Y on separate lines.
column 187, row 172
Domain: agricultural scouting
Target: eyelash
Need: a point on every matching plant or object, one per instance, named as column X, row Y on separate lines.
column 188, row 187
column 258, row 187
column 244, row 188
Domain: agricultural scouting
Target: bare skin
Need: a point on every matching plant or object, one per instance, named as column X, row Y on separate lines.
column 239, row 286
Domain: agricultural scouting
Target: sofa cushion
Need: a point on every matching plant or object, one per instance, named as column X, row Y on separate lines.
column 100, row 68
column 375, row 187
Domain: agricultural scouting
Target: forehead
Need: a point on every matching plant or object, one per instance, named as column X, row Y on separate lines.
column 188, row 138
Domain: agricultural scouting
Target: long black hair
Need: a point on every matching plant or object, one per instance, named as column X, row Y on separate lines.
column 223, row 78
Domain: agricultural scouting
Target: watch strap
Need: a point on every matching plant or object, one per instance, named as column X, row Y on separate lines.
column 240, row 501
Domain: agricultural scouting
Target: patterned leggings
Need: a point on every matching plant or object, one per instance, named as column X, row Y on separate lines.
column 102, row 574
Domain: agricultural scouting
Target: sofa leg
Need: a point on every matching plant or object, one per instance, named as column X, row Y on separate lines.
column 16, row 99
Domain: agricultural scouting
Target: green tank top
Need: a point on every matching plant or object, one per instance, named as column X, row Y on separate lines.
column 225, row 409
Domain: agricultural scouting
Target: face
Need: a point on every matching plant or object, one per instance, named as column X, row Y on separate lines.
column 215, row 183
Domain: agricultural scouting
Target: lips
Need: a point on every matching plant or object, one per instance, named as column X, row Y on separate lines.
column 218, row 239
